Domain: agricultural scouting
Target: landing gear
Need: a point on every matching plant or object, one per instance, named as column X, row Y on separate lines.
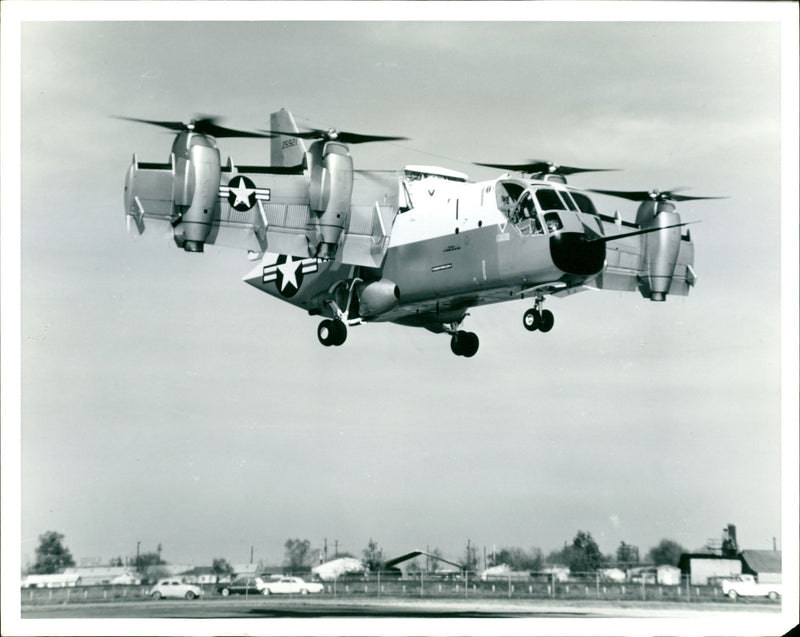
column 332, row 332
column 538, row 319
column 464, row 343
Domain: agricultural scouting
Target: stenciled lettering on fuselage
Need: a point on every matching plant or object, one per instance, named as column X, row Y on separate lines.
column 242, row 193
column 287, row 273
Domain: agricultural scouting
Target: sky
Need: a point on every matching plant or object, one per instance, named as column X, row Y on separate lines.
column 165, row 402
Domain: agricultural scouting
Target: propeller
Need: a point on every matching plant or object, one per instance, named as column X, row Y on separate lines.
column 651, row 195
column 548, row 167
column 202, row 125
column 332, row 134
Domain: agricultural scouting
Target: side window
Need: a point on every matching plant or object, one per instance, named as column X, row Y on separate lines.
column 584, row 203
column 568, row 200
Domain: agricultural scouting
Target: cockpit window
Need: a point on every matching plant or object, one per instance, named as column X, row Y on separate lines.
column 524, row 215
column 549, row 200
column 584, row 203
column 508, row 192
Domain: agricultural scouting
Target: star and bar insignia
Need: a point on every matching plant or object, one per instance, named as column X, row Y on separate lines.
column 288, row 273
column 242, row 193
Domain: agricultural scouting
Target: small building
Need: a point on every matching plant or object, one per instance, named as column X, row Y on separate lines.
column 335, row 569
column 245, row 570
column 104, row 575
column 699, row 567
column 612, row 574
column 764, row 565
column 199, row 575
column 667, row 575
column 55, row 580
column 556, row 573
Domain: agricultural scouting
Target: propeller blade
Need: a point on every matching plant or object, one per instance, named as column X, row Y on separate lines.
column 334, row 135
column 202, row 125
column 651, row 195
column 539, row 166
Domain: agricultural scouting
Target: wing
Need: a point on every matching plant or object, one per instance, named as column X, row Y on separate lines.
column 263, row 208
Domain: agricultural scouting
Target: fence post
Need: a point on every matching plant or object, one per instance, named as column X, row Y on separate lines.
column 509, row 585
column 644, row 593
column 597, row 583
column 421, row 584
column 466, row 583
column 379, row 583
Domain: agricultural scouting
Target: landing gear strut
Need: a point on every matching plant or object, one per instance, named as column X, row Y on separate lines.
column 538, row 319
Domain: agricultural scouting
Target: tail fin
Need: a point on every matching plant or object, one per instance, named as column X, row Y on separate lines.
column 285, row 150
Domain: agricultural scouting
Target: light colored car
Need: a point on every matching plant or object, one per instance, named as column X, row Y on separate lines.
column 174, row 587
column 295, row 585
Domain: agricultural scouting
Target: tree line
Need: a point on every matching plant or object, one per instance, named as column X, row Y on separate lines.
column 581, row 555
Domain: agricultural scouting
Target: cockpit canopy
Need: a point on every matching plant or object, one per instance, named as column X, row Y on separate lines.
column 527, row 206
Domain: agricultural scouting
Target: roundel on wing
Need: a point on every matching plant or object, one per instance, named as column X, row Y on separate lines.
column 241, row 193
column 288, row 275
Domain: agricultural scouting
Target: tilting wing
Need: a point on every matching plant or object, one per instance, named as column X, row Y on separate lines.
column 263, row 208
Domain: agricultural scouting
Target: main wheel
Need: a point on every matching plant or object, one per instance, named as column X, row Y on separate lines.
column 547, row 321
column 464, row 344
column 469, row 344
column 326, row 333
column 531, row 320
column 339, row 332
column 190, row 595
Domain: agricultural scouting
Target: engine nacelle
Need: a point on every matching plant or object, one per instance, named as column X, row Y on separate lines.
column 377, row 297
column 197, row 173
column 330, row 168
column 661, row 248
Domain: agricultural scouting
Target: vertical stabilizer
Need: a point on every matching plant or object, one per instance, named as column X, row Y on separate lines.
column 285, row 150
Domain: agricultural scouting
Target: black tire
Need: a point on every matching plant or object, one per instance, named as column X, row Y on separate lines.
column 326, row 333
column 469, row 344
column 548, row 320
column 190, row 595
column 455, row 345
column 531, row 320
column 339, row 332
column 157, row 595
column 225, row 592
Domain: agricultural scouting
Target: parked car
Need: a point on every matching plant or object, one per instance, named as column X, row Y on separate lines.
column 292, row 585
column 173, row 587
column 747, row 586
column 242, row 586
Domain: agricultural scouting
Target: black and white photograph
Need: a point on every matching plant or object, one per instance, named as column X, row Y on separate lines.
column 402, row 318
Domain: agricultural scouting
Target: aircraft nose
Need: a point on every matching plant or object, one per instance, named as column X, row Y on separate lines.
column 574, row 253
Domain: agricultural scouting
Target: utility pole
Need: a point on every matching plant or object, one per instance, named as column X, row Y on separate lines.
column 251, row 553
column 326, row 549
column 137, row 556
column 336, row 548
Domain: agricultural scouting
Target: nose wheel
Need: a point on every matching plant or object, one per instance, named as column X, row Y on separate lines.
column 538, row 319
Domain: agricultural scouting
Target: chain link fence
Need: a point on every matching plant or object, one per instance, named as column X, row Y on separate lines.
column 587, row 586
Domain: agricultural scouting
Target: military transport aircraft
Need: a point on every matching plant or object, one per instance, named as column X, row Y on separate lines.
column 419, row 246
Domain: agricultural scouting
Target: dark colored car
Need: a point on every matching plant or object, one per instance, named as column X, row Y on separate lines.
column 242, row 586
